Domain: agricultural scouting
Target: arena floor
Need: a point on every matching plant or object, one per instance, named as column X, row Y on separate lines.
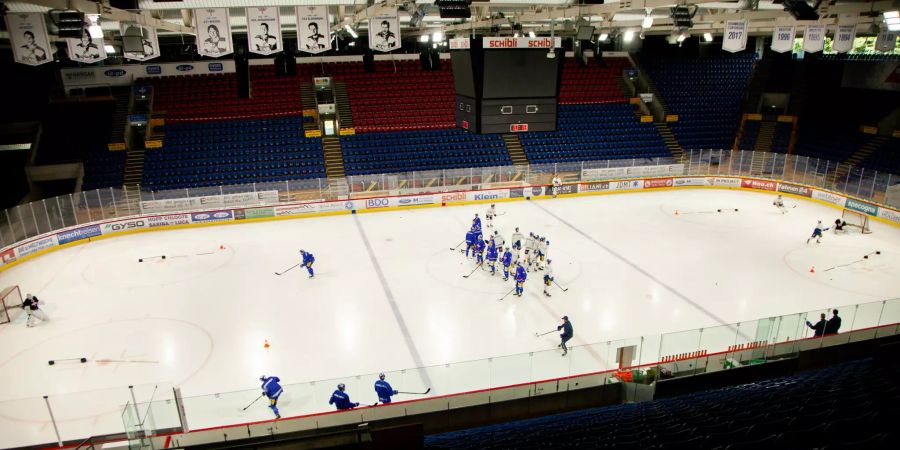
column 389, row 295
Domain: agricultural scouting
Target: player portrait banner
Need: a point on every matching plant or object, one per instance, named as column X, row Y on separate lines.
column 87, row 49
column 28, row 36
column 149, row 40
column 384, row 32
column 312, row 29
column 264, row 30
column 886, row 40
column 783, row 39
column 735, row 38
column 213, row 32
column 843, row 38
column 814, row 38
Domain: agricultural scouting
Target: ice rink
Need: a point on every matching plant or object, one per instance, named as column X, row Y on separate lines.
column 389, row 295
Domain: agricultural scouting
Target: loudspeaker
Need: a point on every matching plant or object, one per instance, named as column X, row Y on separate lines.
column 369, row 62
column 242, row 67
column 435, row 61
column 71, row 24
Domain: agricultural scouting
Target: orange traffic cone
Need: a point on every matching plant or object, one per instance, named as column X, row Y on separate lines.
column 221, row 247
column 812, row 269
column 676, row 212
column 266, row 345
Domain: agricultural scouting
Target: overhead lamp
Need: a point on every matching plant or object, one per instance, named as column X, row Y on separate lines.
column 423, row 38
column 682, row 37
column 603, row 37
column 351, row 31
column 531, row 34
column 437, row 36
column 892, row 14
column 352, row 44
column 109, row 48
column 648, row 22
column 708, row 37
column 683, row 17
column 629, row 36
column 892, row 19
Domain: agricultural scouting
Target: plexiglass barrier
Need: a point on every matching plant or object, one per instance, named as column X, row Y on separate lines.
column 32, row 219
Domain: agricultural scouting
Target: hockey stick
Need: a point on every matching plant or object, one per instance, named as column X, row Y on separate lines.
column 507, row 294
column 254, row 401
column 288, row 270
column 457, row 245
column 544, row 334
column 557, row 285
column 473, row 271
column 865, row 257
column 416, row 393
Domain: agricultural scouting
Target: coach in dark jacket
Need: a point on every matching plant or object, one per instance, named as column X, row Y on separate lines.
column 819, row 327
column 834, row 323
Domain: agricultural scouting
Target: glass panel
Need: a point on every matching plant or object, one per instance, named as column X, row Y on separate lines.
column 27, row 422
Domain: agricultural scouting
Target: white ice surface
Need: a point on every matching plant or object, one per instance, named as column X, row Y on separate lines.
column 632, row 267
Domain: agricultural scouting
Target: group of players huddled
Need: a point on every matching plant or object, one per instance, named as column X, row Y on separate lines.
column 521, row 256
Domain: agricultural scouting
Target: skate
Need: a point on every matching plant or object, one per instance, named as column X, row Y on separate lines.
column 277, row 416
column 565, row 353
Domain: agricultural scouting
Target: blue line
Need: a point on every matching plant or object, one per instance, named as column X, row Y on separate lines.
column 417, row 359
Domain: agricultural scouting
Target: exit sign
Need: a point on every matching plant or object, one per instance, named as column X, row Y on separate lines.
column 465, row 124
column 516, row 127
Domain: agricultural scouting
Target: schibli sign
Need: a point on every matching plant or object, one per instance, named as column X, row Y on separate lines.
column 521, row 42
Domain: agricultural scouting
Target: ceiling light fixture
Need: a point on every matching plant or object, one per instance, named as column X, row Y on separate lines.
column 351, row 31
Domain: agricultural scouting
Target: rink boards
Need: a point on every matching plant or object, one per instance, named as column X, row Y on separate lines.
column 44, row 243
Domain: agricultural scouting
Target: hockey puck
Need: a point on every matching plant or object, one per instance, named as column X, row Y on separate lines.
column 163, row 256
column 141, row 260
column 83, row 360
column 878, row 252
column 866, row 257
column 51, row 362
column 719, row 210
column 735, row 210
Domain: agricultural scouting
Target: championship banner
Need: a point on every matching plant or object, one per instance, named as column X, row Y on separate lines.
column 843, row 38
column 886, row 41
column 87, row 49
column 312, row 29
column 149, row 38
column 28, row 36
column 814, row 38
column 735, row 38
column 264, row 30
column 384, row 32
column 213, row 32
column 783, row 39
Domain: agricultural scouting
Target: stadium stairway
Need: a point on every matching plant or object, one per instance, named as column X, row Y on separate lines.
column 765, row 137
column 334, row 158
column 644, row 75
column 669, row 139
column 308, row 102
column 857, row 157
column 342, row 103
column 515, row 149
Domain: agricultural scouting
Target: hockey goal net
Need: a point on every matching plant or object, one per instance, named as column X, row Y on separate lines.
column 856, row 220
column 10, row 301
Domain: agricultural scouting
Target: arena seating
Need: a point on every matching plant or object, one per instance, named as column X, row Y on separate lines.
column 705, row 93
column 103, row 169
column 886, row 158
column 421, row 150
column 845, row 406
column 592, row 132
column 596, row 83
column 399, row 96
column 750, row 134
column 214, row 96
column 230, row 152
column 834, row 141
column 782, row 139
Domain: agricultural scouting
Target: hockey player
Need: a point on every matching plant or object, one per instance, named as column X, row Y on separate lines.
column 341, row 399
column 272, row 390
column 497, row 240
column 492, row 258
column 516, row 242
column 521, row 276
column 529, row 250
column 476, row 223
column 556, row 184
column 471, row 237
column 817, row 233
column 566, row 334
column 384, row 390
column 542, row 251
column 779, row 203
column 30, row 305
column 839, row 226
column 506, row 259
column 479, row 249
column 308, row 260
column 489, row 216
column 548, row 278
